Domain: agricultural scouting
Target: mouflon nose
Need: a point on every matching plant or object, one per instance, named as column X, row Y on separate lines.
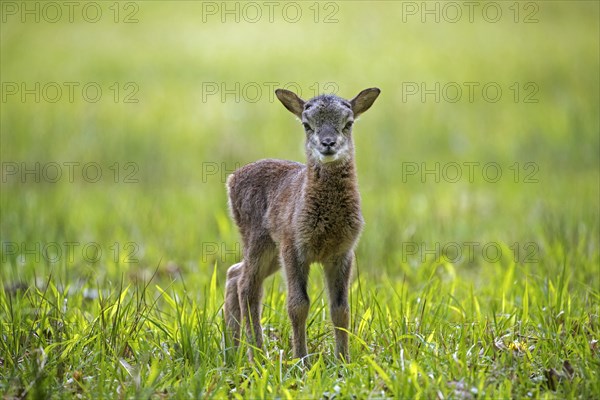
column 328, row 142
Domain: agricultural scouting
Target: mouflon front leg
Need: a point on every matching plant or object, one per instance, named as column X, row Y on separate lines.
column 337, row 273
column 298, row 303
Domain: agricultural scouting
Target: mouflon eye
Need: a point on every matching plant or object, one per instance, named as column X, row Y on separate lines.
column 348, row 125
column 306, row 126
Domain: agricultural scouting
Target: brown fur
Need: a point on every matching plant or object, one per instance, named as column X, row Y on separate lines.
column 293, row 215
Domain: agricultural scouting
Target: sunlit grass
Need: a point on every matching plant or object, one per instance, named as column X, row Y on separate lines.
column 439, row 338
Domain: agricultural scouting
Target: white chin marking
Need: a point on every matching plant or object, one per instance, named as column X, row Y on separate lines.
column 328, row 158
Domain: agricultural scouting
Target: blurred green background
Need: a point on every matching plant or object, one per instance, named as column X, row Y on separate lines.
column 187, row 96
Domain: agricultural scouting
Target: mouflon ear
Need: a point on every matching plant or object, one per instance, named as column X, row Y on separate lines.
column 291, row 101
column 364, row 100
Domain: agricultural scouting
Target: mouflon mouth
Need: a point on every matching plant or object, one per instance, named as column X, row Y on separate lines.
column 327, row 152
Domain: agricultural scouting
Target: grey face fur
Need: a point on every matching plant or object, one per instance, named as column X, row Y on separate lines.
column 328, row 120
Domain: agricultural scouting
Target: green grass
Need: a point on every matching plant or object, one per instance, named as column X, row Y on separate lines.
column 143, row 318
column 440, row 337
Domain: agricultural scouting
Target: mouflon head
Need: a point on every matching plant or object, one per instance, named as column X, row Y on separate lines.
column 328, row 121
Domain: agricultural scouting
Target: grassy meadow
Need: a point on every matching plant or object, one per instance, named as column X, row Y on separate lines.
column 478, row 272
